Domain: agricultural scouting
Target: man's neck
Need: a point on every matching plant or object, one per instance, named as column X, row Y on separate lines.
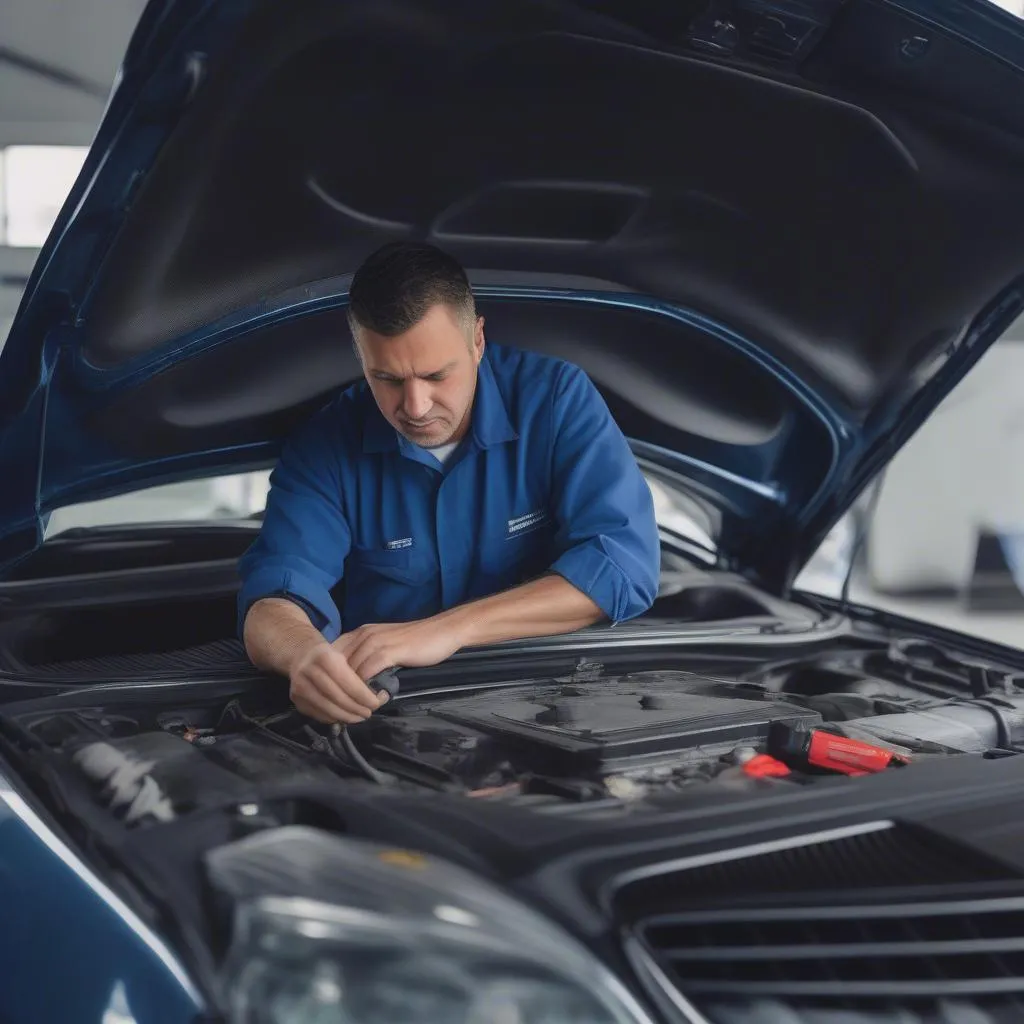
column 444, row 451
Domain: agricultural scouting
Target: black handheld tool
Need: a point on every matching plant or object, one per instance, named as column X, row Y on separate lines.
column 385, row 682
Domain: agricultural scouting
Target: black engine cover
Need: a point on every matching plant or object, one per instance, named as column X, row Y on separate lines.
column 581, row 728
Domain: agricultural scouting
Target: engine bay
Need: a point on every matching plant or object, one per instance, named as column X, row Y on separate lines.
column 572, row 791
column 596, row 738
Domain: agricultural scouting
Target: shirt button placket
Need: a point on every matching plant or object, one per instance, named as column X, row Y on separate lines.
column 453, row 537
column 442, row 559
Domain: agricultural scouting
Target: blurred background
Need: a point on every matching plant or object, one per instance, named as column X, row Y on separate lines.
column 941, row 536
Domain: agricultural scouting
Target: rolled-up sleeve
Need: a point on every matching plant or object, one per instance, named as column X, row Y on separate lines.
column 607, row 533
column 305, row 538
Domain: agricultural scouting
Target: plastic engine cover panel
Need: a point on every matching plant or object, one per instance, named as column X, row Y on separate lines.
column 592, row 725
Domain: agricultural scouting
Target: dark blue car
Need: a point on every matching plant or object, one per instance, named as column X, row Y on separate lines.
column 775, row 233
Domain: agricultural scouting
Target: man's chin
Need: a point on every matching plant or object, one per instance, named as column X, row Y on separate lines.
column 428, row 438
column 435, row 443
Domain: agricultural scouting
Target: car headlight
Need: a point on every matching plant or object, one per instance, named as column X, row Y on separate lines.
column 329, row 930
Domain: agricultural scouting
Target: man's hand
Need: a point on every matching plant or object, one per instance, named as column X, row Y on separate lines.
column 327, row 680
column 326, row 687
column 372, row 649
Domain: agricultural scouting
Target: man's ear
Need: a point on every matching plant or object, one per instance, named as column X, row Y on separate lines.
column 479, row 342
column 355, row 348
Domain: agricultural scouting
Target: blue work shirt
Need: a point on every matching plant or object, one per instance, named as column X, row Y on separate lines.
column 544, row 480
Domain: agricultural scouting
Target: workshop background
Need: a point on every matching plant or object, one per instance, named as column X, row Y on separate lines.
column 940, row 538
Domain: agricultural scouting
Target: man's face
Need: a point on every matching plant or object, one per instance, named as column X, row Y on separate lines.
column 424, row 380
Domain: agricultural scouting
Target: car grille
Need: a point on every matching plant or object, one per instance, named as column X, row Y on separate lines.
column 883, row 858
column 903, row 963
column 838, row 957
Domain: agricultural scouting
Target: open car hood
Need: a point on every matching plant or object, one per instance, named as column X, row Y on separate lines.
column 774, row 232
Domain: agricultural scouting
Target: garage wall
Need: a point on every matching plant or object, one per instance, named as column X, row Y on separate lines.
column 58, row 60
column 961, row 474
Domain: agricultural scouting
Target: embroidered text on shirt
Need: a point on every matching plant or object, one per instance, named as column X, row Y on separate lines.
column 396, row 545
column 520, row 524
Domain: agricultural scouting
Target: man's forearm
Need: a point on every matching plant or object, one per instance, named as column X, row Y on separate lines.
column 276, row 632
column 543, row 607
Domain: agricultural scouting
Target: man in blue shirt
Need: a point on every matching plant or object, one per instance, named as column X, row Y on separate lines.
column 463, row 495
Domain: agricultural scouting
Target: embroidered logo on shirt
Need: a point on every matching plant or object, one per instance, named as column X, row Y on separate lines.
column 397, row 545
column 524, row 524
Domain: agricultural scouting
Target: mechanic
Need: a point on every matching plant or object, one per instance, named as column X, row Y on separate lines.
column 463, row 495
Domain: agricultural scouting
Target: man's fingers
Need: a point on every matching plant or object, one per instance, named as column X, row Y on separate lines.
column 344, row 644
column 348, row 642
column 374, row 663
column 374, row 652
column 312, row 703
column 326, row 687
column 316, row 688
column 329, row 689
column 366, row 656
column 344, row 675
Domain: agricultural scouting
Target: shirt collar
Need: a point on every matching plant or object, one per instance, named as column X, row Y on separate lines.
column 490, row 423
column 378, row 434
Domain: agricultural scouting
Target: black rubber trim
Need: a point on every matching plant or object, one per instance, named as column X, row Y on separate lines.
column 219, row 658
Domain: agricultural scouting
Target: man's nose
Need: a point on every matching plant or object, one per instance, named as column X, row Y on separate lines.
column 417, row 401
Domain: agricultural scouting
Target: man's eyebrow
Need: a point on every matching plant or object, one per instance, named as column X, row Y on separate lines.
column 386, row 375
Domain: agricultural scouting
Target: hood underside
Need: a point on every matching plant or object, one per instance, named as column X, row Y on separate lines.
column 775, row 234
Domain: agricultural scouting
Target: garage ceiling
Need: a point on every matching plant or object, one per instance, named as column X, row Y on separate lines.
column 57, row 64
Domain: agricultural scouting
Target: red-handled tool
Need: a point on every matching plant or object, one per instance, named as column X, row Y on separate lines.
column 816, row 749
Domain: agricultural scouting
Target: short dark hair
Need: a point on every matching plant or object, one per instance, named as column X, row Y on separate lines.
column 398, row 284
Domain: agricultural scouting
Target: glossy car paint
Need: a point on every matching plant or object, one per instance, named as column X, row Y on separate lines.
column 107, row 965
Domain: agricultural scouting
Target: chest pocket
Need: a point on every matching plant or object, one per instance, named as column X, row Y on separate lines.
column 403, row 565
column 389, row 586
